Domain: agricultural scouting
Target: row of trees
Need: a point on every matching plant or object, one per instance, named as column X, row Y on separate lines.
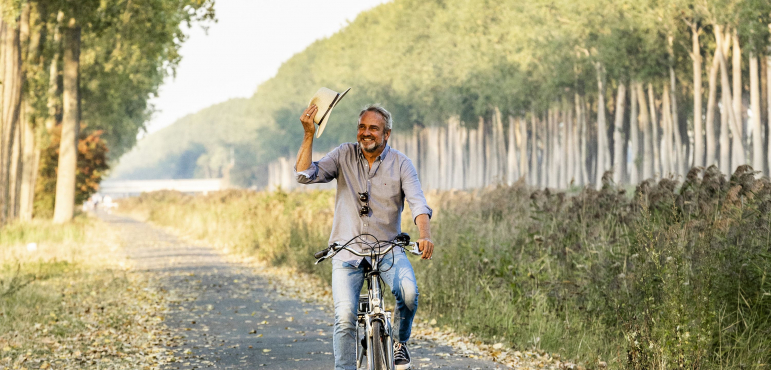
column 643, row 88
column 81, row 71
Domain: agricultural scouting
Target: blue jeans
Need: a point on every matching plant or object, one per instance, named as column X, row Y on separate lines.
column 347, row 282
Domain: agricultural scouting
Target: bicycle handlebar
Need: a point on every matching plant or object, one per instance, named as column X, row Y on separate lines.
column 335, row 248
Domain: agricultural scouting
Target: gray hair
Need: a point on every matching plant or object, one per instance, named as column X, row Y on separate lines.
column 389, row 123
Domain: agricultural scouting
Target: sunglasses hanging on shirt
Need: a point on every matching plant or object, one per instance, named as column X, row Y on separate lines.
column 364, row 198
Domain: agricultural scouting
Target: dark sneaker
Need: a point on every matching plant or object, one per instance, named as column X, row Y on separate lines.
column 402, row 357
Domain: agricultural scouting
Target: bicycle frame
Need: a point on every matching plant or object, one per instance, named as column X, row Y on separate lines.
column 371, row 309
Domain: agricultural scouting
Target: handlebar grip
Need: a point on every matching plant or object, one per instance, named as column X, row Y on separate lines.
column 320, row 253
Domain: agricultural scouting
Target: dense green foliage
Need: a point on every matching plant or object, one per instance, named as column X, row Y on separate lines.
column 429, row 60
column 677, row 275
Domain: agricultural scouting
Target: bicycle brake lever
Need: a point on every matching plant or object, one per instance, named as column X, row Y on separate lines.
column 414, row 249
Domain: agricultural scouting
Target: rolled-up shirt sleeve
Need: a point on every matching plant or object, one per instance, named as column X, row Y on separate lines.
column 323, row 170
column 412, row 191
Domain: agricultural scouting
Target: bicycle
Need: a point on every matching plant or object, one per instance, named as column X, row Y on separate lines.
column 372, row 316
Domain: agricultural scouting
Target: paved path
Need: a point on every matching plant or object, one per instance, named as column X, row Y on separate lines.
column 228, row 317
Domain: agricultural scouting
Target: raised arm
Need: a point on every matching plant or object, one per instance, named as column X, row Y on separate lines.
column 304, row 155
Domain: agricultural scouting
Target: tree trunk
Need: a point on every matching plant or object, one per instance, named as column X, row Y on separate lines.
column 757, row 137
column 768, row 122
column 544, row 135
column 619, row 141
column 584, row 140
column 648, row 170
column 679, row 148
column 634, row 146
column 667, row 158
column 733, row 120
column 711, row 106
column 36, row 27
column 511, row 154
column 736, row 65
column 569, row 144
column 68, row 151
column 523, row 170
column 554, row 155
column 602, row 131
column 657, row 170
column 533, row 150
column 11, row 108
column 698, row 138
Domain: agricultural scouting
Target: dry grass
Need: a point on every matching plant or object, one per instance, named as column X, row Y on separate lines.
column 672, row 276
column 71, row 302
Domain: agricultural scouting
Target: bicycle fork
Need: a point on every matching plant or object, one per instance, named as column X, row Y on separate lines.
column 371, row 310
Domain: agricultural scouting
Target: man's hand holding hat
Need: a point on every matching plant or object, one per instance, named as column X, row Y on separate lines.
column 307, row 119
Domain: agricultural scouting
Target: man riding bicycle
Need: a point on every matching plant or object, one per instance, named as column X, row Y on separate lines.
column 373, row 180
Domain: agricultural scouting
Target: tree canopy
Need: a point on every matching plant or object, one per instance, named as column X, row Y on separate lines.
column 429, row 60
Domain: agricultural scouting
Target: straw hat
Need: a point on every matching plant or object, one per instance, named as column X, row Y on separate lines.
column 325, row 99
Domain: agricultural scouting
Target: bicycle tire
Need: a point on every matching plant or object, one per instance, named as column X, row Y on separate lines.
column 378, row 350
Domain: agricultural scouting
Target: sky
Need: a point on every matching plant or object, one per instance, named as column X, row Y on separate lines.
column 245, row 48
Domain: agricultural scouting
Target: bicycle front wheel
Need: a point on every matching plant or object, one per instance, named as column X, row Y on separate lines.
column 382, row 353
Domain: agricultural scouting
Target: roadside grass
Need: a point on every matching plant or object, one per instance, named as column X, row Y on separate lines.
column 674, row 275
column 70, row 302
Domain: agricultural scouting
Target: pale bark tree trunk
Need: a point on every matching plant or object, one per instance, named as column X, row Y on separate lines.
column 679, row 148
column 473, row 168
column 14, row 175
column 738, row 152
column 543, row 124
column 667, row 159
column 68, row 152
column 53, row 75
column 17, row 166
column 619, row 141
column 733, row 121
column 533, row 150
column 648, row 171
column 460, row 154
column 35, row 29
column 511, row 154
column 569, row 144
column 552, row 151
column 768, row 95
column 584, row 138
column 501, row 153
column 634, row 141
column 698, row 138
column 491, row 160
column 711, row 106
column 757, row 137
column 563, row 162
column 523, row 170
column 442, row 158
column 657, row 168
column 484, row 151
column 602, row 131
column 11, row 108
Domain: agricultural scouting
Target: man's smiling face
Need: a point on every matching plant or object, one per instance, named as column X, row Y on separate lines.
column 372, row 134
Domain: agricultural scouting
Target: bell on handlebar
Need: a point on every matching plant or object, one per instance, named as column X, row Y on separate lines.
column 402, row 239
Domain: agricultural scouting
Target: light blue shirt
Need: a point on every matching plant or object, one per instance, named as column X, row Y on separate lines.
column 390, row 181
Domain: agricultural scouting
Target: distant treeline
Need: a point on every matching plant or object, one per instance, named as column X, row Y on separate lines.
column 645, row 88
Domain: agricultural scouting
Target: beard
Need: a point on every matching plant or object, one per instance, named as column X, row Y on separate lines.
column 370, row 146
